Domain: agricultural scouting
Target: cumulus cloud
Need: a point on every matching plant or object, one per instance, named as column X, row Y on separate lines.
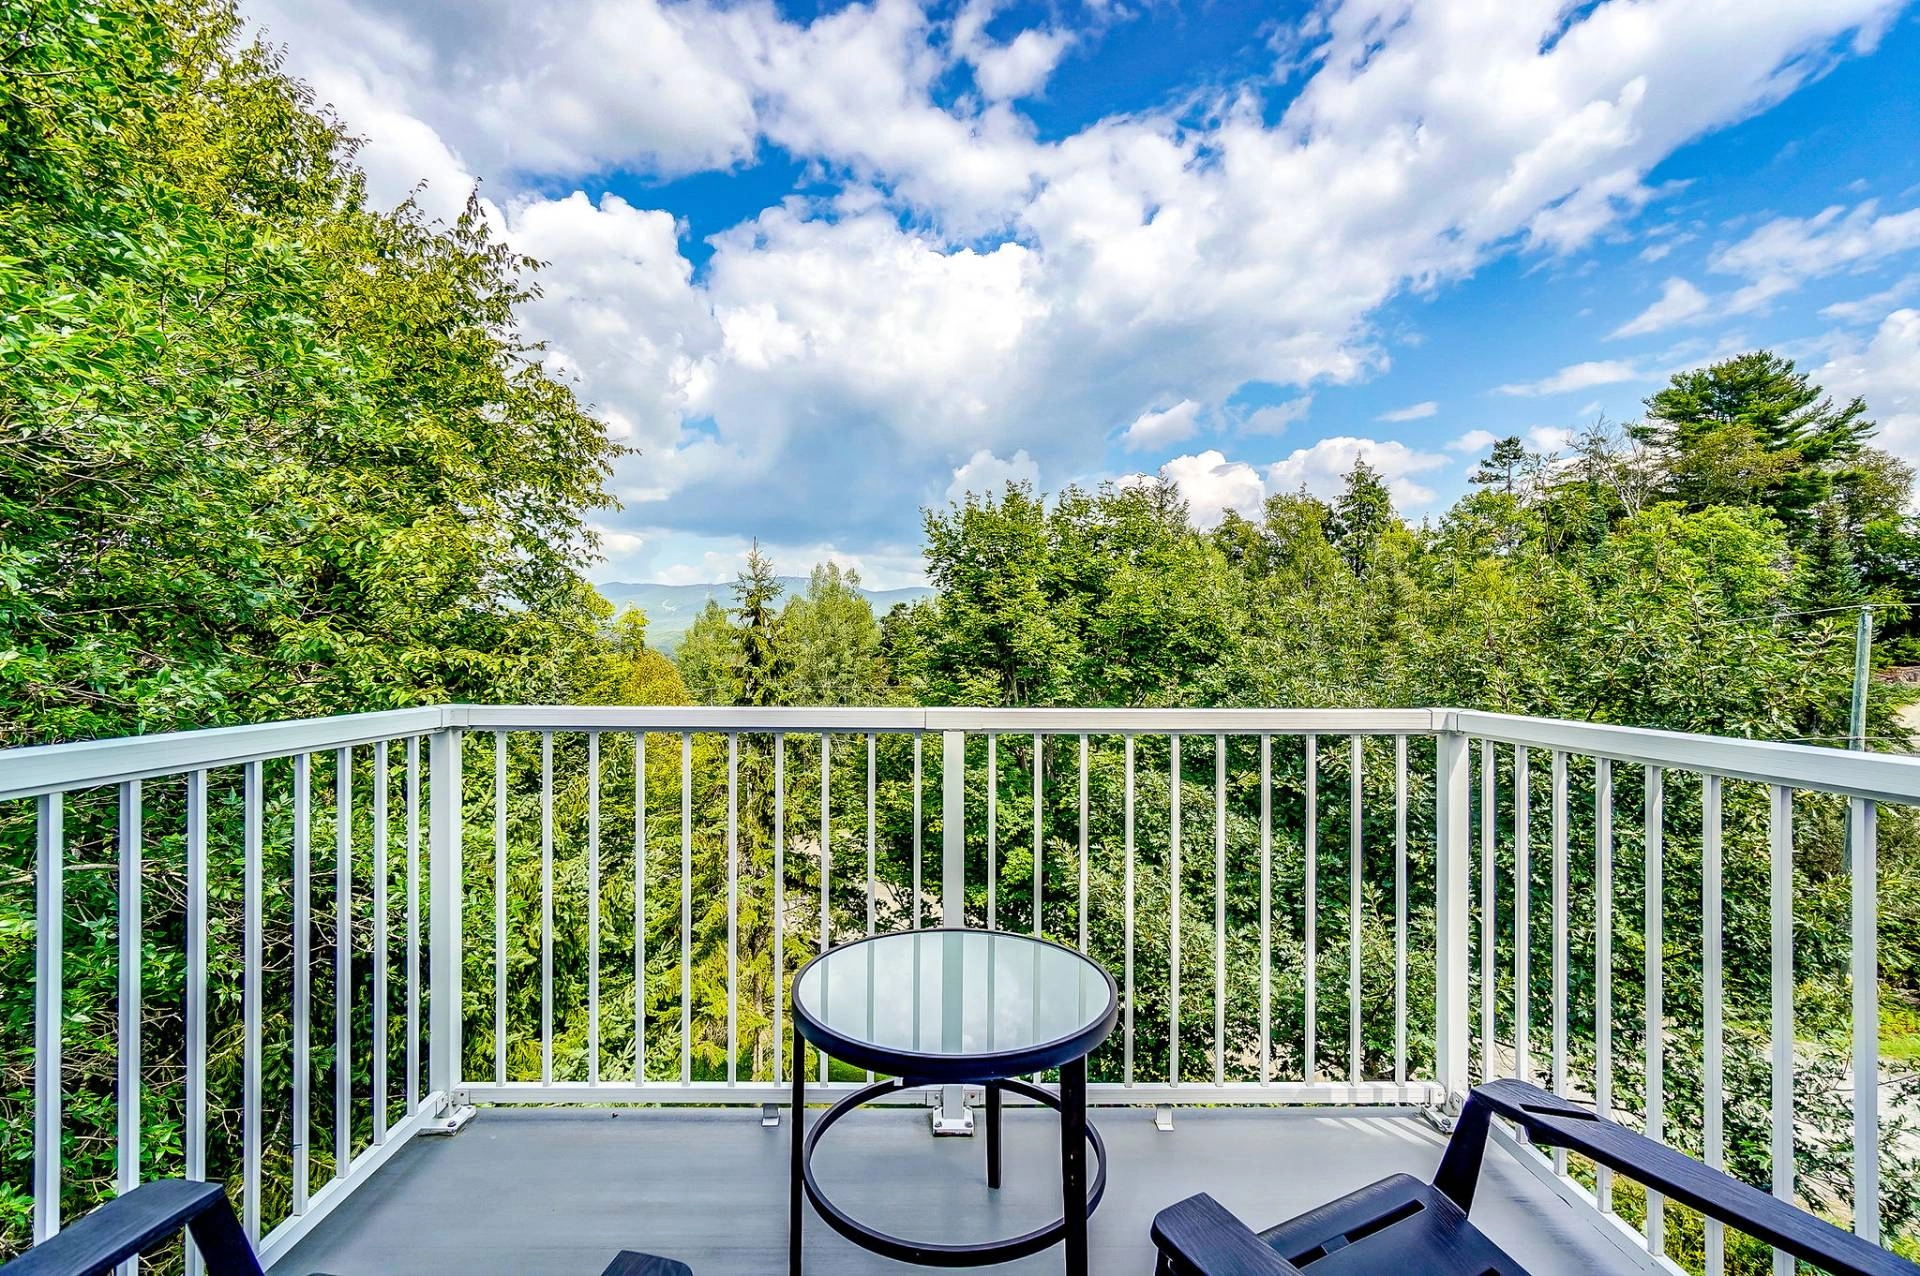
column 985, row 474
column 1412, row 412
column 1323, row 468
column 1169, row 425
column 1885, row 371
column 970, row 285
column 1679, row 302
column 1211, row 485
column 1576, row 376
column 1473, row 441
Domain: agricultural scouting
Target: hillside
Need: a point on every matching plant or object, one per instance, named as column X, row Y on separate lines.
column 670, row 609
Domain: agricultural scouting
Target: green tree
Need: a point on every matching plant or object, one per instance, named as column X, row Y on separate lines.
column 1362, row 514
column 1753, row 429
column 1504, row 466
column 832, row 642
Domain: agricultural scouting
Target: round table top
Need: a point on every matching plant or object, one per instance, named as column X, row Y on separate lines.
column 951, row 1005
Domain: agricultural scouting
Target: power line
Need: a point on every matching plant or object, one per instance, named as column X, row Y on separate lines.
column 1814, row 611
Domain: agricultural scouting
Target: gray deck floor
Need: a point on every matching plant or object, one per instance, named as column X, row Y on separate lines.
column 546, row 1190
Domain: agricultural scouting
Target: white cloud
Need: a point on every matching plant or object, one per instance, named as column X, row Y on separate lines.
column 971, row 286
column 1474, row 441
column 1886, row 372
column 1274, row 418
column 1782, row 255
column 985, row 474
column 1679, row 303
column 1792, row 249
column 1211, row 484
column 1576, row 376
column 1870, row 308
column 1020, row 67
column 1412, row 412
column 1550, row 438
column 1323, row 468
column 1157, row 429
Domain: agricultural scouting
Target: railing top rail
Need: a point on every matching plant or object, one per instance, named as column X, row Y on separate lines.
column 85, row 764
column 1880, row 777
column 29, row 772
column 885, row 719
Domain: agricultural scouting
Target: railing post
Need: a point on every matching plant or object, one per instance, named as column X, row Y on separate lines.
column 443, row 936
column 953, row 1115
column 1451, row 914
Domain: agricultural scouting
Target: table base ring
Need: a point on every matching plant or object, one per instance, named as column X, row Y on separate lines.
column 928, row 1253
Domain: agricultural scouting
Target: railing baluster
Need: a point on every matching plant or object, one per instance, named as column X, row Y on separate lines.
column 546, row 908
column 640, row 908
column 593, row 909
column 1400, row 910
column 826, row 860
column 733, row 905
column 342, row 962
column 916, row 840
column 1780, row 907
column 195, row 1151
column 1864, row 970
column 127, row 1048
column 1603, row 962
column 993, row 831
column 413, row 924
column 1559, row 938
column 1083, row 843
column 1488, row 894
column 382, row 1037
column 1174, row 892
column 1266, row 910
column 686, row 903
column 1127, row 1043
column 1039, row 874
column 780, row 906
column 1522, row 925
column 1309, row 1054
column 1713, row 1096
column 1219, row 910
column 1355, row 867
column 873, row 884
column 302, row 978
column 1654, row 836
column 499, row 907
column 252, row 971
column 49, row 940
column 872, row 878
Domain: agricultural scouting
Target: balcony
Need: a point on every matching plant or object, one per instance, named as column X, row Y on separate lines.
column 289, row 955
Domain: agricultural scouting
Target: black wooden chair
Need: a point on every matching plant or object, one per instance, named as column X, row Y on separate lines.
column 1400, row 1226
column 132, row 1224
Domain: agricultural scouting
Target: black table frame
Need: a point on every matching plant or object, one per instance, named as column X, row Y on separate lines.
column 999, row 1072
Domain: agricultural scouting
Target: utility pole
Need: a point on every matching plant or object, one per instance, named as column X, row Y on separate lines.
column 1862, row 652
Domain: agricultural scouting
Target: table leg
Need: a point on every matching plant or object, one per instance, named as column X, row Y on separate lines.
column 1073, row 1161
column 796, row 1203
column 993, row 1134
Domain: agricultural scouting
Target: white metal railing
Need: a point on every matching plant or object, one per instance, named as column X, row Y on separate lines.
column 461, row 800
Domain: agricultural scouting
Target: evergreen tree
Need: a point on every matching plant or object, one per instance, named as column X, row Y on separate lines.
column 1362, row 514
column 1504, row 465
column 1753, row 430
column 762, row 663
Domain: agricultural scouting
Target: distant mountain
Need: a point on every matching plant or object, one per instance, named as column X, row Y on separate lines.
column 671, row 609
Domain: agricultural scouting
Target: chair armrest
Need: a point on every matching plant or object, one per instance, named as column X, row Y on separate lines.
column 1551, row 1121
column 1203, row 1237
column 130, row 1224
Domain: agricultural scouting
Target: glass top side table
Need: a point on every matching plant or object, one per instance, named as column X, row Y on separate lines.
column 956, row 1007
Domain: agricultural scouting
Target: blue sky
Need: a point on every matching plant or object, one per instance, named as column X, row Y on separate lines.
column 823, row 264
